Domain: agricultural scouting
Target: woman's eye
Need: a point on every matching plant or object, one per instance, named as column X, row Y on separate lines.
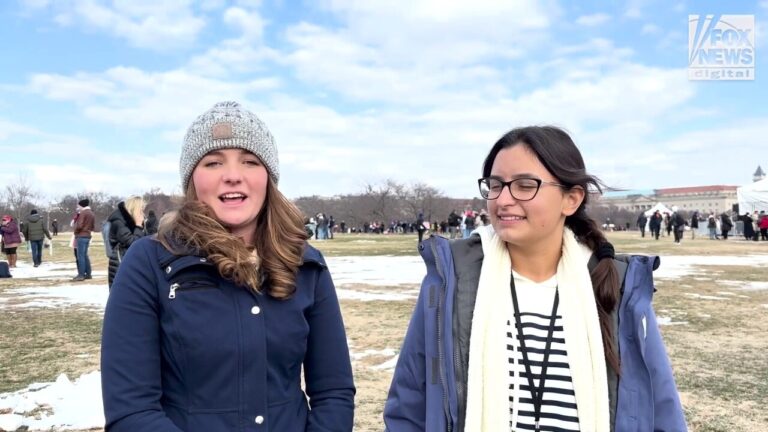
column 211, row 163
column 254, row 162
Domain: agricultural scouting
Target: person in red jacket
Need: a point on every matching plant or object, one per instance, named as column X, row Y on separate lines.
column 763, row 226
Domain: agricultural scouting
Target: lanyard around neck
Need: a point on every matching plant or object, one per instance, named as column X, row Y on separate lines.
column 537, row 395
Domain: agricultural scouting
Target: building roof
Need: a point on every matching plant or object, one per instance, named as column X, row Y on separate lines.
column 696, row 189
column 759, row 172
column 627, row 193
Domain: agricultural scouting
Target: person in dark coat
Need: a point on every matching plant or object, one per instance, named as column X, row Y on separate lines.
column 126, row 226
column 641, row 222
column 694, row 224
column 55, row 227
column 151, row 223
column 725, row 225
column 749, row 227
column 35, row 232
column 227, row 319
column 420, row 228
column 655, row 224
column 678, row 224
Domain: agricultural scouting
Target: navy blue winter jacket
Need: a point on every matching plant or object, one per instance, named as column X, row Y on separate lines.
column 428, row 391
column 185, row 350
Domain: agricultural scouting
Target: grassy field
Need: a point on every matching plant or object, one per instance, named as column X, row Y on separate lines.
column 719, row 354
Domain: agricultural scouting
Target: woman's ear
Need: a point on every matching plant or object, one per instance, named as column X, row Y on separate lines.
column 572, row 199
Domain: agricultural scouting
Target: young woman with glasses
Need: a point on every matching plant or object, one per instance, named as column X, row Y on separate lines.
column 533, row 323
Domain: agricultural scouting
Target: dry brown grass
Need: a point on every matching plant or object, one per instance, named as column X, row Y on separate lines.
column 719, row 356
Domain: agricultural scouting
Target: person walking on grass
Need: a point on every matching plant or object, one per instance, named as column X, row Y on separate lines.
column 725, row 225
column 655, row 224
column 694, row 224
column 712, row 226
column 35, row 233
column 533, row 323
column 642, row 220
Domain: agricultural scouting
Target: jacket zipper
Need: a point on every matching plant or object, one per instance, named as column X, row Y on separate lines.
column 176, row 286
column 440, row 351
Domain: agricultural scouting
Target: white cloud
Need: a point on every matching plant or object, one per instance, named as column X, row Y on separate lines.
column 131, row 97
column 80, row 87
column 593, row 20
column 34, row 4
column 650, row 29
column 249, row 23
column 635, row 9
column 157, row 25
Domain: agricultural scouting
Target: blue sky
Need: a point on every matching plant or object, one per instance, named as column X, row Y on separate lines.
column 96, row 95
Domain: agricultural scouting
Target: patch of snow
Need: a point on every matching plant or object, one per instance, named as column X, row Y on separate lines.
column 72, row 405
column 387, row 365
column 705, row 297
column 377, row 270
column 347, row 294
column 746, row 285
column 682, row 265
column 668, row 321
column 93, row 295
column 49, row 271
column 387, row 352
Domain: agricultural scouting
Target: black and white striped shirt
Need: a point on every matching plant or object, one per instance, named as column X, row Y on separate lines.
column 558, row 408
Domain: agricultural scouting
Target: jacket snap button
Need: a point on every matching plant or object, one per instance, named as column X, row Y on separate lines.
column 203, row 260
column 255, row 310
column 168, row 269
column 259, row 420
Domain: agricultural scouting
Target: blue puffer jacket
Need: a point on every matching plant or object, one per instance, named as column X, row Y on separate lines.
column 428, row 391
column 185, row 350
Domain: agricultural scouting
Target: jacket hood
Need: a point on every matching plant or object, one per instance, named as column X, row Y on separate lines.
column 121, row 213
column 33, row 218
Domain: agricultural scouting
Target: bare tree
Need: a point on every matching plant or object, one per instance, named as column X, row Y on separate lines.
column 19, row 196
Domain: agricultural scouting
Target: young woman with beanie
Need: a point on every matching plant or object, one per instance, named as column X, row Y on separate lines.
column 533, row 323
column 212, row 325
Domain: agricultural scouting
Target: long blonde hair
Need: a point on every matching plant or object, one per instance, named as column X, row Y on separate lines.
column 275, row 257
column 134, row 205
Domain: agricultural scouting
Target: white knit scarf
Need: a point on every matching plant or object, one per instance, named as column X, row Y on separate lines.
column 488, row 383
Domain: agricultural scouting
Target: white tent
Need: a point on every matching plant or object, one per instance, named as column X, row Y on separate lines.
column 753, row 196
column 660, row 207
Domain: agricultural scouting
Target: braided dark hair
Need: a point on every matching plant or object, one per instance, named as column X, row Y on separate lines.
column 555, row 149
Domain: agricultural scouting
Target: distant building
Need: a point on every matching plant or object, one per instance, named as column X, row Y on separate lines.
column 705, row 199
column 758, row 175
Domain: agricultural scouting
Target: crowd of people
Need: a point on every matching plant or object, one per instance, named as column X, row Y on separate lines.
column 753, row 227
column 126, row 224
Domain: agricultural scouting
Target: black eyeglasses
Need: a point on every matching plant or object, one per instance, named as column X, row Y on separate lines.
column 522, row 189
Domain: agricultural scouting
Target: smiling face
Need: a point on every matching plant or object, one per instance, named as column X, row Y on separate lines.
column 537, row 223
column 233, row 182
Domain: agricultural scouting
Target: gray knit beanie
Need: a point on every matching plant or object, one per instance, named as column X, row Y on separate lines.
column 227, row 125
